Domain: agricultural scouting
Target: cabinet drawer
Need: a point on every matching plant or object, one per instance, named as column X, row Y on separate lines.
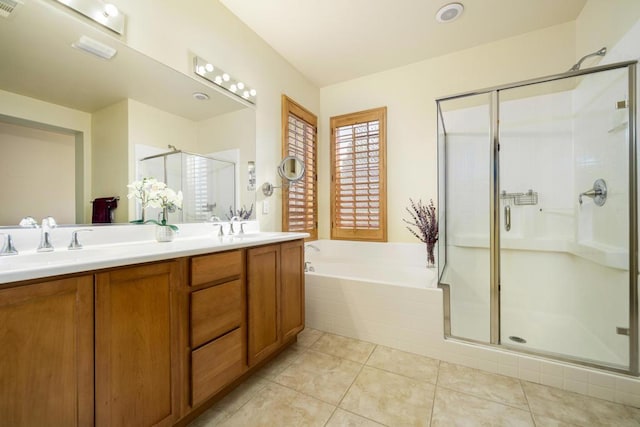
column 215, row 365
column 215, row 267
column 215, row 311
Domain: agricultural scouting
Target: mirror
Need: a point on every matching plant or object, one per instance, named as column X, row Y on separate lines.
column 115, row 111
column 290, row 169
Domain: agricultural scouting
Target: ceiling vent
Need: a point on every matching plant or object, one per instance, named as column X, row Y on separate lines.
column 7, row 7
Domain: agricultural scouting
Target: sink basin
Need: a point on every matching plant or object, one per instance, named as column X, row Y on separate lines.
column 59, row 256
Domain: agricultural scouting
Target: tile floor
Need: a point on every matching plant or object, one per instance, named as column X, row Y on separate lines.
column 329, row 380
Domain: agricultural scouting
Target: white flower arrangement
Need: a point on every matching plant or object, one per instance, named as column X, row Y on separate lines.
column 153, row 193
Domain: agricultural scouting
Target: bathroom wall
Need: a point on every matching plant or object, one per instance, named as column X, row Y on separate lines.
column 110, row 154
column 604, row 23
column 409, row 93
column 22, row 107
column 236, row 130
column 38, row 172
column 170, row 30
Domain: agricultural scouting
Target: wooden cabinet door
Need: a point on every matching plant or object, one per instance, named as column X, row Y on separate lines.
column 46, row 353
column 263, row 296
column 136, row 341
column 292, row 288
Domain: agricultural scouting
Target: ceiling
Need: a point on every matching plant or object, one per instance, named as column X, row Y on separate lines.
column 330, row 41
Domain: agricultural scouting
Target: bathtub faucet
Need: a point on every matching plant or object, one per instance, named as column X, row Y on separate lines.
column 308, row 267
column 312, row 246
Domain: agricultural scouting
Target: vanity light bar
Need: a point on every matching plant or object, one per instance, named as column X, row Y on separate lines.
column 216, row 75
column 104, row 13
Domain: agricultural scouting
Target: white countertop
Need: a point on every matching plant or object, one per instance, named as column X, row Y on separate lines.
column 137, row 245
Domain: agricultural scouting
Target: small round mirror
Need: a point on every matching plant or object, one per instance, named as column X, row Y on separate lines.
column 291, row 168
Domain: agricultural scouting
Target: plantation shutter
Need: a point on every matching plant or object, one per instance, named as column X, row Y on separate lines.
column 196, row 188
column 358, row 176
column 299, row 200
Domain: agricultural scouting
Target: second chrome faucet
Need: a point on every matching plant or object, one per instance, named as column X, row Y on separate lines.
column 48, row 224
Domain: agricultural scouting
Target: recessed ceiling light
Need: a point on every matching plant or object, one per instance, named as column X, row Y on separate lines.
column 449, row 12
column 200, row 96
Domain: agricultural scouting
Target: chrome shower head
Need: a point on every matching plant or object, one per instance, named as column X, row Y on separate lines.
column 601, row 52
column 172, row 147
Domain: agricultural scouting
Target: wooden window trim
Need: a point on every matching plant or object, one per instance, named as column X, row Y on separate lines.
column 379, row 235
column 289, row 106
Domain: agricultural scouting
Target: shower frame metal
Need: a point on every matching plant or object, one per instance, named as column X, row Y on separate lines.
column 494, row 201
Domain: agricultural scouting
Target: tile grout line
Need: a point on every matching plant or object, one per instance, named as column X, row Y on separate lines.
column 337, row 406
column 486, row 399
column 435, row 390
column 268, row 380
column 526, row 398
column 355, row 378
column 229, row 415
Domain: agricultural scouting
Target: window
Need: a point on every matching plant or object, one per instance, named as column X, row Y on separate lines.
column 300, row 200
column 358, row 176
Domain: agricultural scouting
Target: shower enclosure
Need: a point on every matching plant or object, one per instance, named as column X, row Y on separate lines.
column 538, row 216
column 208, row 185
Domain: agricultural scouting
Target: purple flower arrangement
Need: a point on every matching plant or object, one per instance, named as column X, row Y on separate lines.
column 424, row 218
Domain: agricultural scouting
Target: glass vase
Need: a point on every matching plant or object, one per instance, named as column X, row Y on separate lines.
column 164, row 233
column 431, row 257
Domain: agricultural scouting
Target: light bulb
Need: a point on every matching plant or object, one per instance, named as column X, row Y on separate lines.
column 245, row 94
column 240, row 85
column 111, row 10
column 225, row 77
column 200, row 69
column 209, row 67
column 233, row 88
column 218, row 80
column 252, row 92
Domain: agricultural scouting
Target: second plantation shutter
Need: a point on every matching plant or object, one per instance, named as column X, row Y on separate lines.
column 358, row 191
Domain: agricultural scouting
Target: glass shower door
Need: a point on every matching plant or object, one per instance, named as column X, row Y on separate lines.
column 464, row 249
column 564, row 218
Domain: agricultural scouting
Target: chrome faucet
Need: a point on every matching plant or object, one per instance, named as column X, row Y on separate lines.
column 8, row 248
column 219, row 224
column 75, row 245
column 233, row 220
column 308, row 267
column 48, row 224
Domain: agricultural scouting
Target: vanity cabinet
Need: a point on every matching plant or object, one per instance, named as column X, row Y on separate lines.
column 137, row 345
column 145, row 345
column 217, row 322
column 263, row 300
column 275, row 289
column 46, row 353
column 292, row 288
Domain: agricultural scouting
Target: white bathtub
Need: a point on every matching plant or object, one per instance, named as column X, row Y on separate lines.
column 377, row 292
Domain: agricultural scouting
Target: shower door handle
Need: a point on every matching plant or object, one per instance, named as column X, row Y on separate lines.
column 507, row 217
